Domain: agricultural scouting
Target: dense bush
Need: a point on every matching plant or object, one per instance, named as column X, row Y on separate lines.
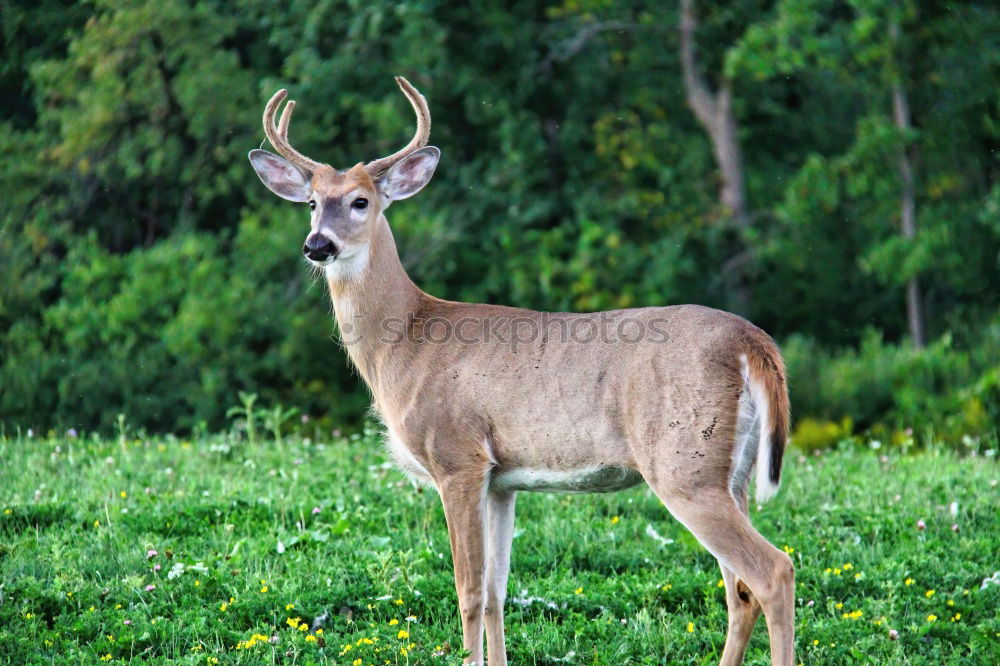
column 169, row 334
column 145, row 271
column 951, row 386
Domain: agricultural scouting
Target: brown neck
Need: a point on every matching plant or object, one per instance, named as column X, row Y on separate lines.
column 374, row 306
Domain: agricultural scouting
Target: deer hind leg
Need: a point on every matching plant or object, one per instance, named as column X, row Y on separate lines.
column 743, row 614
column 499, row 535
column 716, row 520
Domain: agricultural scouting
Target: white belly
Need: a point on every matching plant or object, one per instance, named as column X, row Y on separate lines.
column 594, row 479
column 584, row 480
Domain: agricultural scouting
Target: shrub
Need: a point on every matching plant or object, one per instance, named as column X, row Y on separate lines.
column 170, row 334
column 950, row 387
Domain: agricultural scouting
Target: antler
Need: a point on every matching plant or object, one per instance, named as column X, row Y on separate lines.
column 278, row 135
column 419, row 140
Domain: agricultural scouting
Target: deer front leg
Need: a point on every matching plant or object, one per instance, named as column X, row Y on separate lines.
column 500, row 533
column 464, row 501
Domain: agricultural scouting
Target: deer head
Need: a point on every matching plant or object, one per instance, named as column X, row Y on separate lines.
column 345, row 204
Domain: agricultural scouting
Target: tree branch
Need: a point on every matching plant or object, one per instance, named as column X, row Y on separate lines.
column 699, row 96
column 907, row 198
column 569, row 48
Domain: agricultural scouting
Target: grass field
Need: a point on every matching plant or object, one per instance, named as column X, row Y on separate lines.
column 216, row 551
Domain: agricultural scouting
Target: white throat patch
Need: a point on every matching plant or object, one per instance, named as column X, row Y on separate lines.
column 348, row 267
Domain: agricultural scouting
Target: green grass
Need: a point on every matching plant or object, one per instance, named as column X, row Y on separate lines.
column 589, row 584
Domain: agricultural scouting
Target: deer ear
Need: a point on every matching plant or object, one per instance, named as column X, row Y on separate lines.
column 281, row 176
column 409, row 175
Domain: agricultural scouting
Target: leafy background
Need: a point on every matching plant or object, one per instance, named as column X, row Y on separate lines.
column 146, row 271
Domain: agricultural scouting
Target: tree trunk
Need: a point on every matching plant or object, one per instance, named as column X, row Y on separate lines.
column 908, row 206
column 714, row 112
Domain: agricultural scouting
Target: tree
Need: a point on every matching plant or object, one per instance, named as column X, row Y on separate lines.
column 908, row 204
column 716, row 114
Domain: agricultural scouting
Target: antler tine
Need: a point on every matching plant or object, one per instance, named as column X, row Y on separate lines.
column 286, row 119
column 419, row 140
column 278, row 135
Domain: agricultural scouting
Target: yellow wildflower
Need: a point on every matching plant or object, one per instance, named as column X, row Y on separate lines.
column 393, row 621
column 398, row 602
column 721, row 583
column 303, row 626
column 815, row 641
column 357, row 662
column 615, row 520
column 788, row 549
column 293, row 622
column 403, row 633
column 263, row 589
column 848, row 566
column 319, row 632
column 838, row 605
column 250, row 642
column 289, row 607
column 690, row 627
column 908, row 581
column 931, row 618
column 106, row 657
column 578, row 590
column 929, row 593
column 310, row 639
column 223, row 606
column 957, row 617
column 123, row 494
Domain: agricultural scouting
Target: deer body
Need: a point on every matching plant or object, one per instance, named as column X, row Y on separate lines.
column 482, row 401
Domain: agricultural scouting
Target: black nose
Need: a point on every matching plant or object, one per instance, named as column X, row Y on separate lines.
column 319, row 248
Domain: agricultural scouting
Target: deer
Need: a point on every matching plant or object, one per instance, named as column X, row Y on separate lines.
column 482, row 401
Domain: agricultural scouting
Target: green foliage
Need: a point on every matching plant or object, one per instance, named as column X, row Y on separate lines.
column 951, row 386
column 813, row 435
column 146, row 271
column 181, row 551
column 171, row 334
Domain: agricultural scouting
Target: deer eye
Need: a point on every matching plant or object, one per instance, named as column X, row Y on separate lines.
column 312, row 205
column 360, row 203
